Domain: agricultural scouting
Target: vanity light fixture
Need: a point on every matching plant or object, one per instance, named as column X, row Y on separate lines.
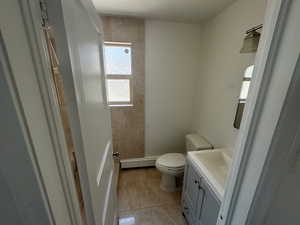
column 251, row 40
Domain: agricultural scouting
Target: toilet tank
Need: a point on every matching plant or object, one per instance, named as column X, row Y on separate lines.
column 195, row 142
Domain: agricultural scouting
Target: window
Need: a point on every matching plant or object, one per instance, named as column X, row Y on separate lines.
column 119, row 90
column 243, row 96
column 118, row 68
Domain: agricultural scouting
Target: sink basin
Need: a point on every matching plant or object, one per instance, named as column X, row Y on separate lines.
column 214, row 166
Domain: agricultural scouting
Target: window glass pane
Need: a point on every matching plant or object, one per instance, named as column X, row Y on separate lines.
column 118, row 90
column 249, row 71
column 245, row 89
column 117, row 59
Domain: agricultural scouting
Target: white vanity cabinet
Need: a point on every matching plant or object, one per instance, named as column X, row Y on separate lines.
column 200, row 205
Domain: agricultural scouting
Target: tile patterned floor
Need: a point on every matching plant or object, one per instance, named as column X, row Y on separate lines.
column 142, row 202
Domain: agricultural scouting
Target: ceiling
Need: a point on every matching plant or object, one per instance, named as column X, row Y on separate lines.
column 173, row 10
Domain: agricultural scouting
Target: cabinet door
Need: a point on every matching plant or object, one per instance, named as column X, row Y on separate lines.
column 191, row 187
column 187, row 210
column 199, row 205
column 190, row 193
column 208, row 206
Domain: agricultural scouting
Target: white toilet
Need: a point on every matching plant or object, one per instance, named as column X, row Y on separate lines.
column 171, row 165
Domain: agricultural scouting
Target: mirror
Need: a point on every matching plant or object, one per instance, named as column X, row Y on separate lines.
column 243, row 96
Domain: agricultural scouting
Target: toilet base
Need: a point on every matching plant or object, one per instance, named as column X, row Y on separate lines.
column 170, row 183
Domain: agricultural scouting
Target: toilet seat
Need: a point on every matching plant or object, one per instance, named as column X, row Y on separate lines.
column 172, row 163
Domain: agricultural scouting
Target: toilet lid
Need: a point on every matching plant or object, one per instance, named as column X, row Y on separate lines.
column 172, row 160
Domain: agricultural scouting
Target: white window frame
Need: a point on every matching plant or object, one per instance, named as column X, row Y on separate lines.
column 121, row 76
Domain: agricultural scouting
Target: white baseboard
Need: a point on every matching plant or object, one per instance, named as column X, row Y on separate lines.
column 139, row 162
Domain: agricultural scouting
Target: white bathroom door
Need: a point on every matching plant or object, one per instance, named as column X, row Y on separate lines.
column 85, row 49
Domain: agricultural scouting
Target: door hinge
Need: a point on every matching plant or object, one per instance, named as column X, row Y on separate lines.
column 116, row 154
column 44, row 12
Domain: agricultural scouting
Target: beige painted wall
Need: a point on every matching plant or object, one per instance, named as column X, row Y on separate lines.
column 172, row 56
column 222, row 70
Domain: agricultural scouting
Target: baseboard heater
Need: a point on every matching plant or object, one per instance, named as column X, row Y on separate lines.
column 138, row 162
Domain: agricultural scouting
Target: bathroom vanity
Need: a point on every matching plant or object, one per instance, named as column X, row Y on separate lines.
column 204, row 182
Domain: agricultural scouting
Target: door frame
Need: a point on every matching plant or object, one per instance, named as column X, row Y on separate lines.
column 60, row 197
column 56, row 18
column 45, row 137
column 251, row 172
column 32, row 17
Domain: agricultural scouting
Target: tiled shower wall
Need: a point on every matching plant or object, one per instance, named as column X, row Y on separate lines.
column 128, row 122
